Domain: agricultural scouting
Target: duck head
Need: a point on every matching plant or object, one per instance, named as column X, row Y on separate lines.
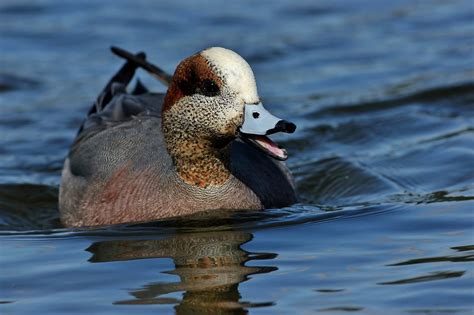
column 212, row 99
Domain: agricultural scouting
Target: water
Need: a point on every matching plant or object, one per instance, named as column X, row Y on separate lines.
column 383, row 96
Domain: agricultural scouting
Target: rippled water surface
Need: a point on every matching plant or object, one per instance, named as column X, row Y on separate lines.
column 383, row 96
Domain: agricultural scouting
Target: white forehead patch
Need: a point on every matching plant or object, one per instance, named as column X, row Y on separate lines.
column 236, row 71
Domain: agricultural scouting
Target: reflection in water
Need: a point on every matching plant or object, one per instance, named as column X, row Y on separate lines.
column 440, row 275
column 210, row 267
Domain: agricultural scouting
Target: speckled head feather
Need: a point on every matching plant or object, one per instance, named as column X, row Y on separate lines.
column 203, row 109
column 220, row 65
column 190, row 77
column 235, row 71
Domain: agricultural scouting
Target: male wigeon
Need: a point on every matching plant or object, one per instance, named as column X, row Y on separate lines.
column 144, row 156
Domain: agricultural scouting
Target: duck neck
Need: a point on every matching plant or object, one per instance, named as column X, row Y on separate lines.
column 199, row 162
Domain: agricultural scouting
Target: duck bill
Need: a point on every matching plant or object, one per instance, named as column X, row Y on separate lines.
column 258, row 124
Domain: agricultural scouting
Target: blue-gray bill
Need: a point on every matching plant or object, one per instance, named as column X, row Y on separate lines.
column 258, row 123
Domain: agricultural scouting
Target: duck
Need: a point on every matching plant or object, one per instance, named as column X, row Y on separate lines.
column 143, row 156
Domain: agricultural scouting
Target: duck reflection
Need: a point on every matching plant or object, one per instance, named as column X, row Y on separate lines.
column 210, row 266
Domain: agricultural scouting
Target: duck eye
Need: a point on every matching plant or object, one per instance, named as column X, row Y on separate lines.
column 255, row 115
column 209, row 88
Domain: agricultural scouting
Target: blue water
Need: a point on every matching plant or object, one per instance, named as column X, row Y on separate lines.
column 383, row 95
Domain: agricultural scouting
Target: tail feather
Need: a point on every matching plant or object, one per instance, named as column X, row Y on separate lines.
column 155, row 71
column 122, row 77
column 139, row 88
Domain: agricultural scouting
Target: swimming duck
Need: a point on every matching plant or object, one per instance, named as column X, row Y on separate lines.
column 203, row 145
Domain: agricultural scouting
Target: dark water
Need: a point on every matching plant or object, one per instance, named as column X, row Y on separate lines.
column 383, row 94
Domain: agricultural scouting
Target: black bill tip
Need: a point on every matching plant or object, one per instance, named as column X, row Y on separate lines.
column 282, row 126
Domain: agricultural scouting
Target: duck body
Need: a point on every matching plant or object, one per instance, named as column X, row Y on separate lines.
column 123, row 167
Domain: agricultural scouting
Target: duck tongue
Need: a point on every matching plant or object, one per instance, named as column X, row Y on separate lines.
column 268, row 146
